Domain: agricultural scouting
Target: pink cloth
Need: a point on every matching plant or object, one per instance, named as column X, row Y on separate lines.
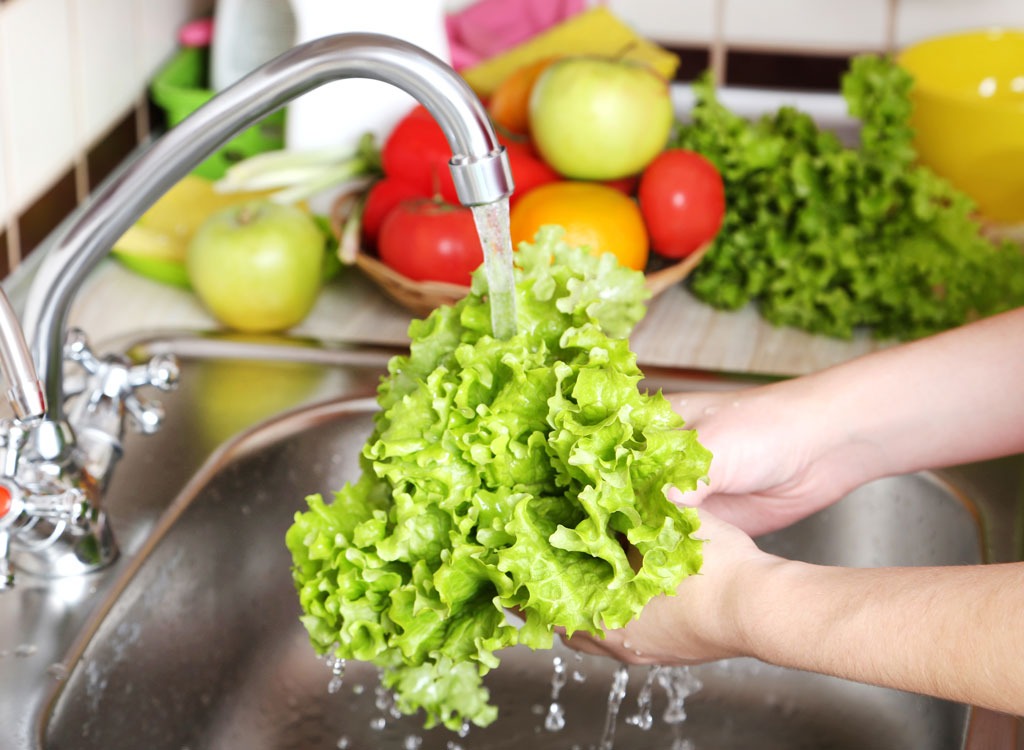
column 488, row 27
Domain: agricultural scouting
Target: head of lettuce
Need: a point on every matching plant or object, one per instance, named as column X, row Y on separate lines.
column 502, row 474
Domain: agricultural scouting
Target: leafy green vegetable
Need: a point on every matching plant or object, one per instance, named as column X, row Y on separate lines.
column 502, row 474
column 829, row 238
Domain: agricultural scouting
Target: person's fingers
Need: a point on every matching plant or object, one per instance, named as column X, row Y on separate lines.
column 692, row 498
column 586, row 643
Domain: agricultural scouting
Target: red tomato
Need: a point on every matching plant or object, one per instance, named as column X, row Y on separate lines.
column 384, row 195
column 682, row 200
column 427, row 240
column 417, row 153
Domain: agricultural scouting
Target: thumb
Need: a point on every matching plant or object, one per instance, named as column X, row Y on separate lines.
column 691, row 499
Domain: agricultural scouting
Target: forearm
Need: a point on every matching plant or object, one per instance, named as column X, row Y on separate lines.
column 954, row 632
column 952, row 398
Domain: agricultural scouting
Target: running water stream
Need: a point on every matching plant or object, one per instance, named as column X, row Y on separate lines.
column 492, row 224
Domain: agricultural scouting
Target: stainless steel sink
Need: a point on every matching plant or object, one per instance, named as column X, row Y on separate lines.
column 193, row 639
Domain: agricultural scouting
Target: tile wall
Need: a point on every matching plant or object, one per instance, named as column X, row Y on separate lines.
column 73, row 73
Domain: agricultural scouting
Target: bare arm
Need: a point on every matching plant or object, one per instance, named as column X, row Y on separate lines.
column 951, row 632
column 788, row 449
column 952, row 398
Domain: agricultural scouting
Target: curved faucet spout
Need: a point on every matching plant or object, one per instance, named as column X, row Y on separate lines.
column 479, row 165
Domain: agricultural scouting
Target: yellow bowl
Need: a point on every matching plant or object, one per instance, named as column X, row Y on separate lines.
column 968, row 118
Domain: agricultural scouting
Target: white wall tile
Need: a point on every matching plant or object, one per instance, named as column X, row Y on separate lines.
column 678, row 22
column 35, row 74
column 157, row 33
column 821, row 25
column 5, row 207
column 105, row 74
column 920, row 19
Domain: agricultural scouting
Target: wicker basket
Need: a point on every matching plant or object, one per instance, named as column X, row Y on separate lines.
column 421, row 297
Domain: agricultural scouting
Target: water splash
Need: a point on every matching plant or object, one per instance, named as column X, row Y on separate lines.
column 492, row 224
column 615, row 696
column 337, row 667
column 644, row 718
column 555, row 719
column 679, row 684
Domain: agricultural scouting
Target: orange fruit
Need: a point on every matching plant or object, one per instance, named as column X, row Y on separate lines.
column 509, row 105
column 595, row 216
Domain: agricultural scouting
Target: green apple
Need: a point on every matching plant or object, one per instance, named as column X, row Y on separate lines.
column 257, row 266
column 594, row 118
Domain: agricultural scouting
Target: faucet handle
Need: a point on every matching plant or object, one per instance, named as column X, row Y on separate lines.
column 160, row 372
column 51, row 528
column 76, row 348
column 115, row 380
column 10, row 510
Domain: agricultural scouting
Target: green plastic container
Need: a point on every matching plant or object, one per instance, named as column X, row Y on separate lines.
column 179, row 89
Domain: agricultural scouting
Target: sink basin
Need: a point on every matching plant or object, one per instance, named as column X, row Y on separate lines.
column 194, row 641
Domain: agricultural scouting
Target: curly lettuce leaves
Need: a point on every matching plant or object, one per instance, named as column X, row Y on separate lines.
column 502, row 475
column 832, row 239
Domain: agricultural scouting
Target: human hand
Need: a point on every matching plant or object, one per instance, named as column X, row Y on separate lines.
column 702, row 621
column 777, row 456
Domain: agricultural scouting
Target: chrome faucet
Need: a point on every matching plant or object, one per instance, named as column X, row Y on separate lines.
column 56, row 459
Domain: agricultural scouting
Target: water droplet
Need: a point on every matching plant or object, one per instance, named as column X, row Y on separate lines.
column 343, row 743
column 378, row 723
column 384, row 700
column 643, row 719
column 555, row 720
column 337, row 666
column 464, row 729
column 615, row 696
column 709, row 410
column 679, row 684
column 412, row 742
column 25, row 649
column 57, row 671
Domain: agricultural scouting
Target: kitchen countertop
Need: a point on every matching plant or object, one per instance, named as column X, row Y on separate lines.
column 679, row 330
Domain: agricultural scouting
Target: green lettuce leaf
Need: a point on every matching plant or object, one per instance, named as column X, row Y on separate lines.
column 501, row 475
column 833, row 239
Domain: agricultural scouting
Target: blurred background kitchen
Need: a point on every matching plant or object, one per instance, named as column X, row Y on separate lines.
column 75, row 74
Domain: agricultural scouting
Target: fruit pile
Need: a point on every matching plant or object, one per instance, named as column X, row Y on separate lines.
column 586, row 140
